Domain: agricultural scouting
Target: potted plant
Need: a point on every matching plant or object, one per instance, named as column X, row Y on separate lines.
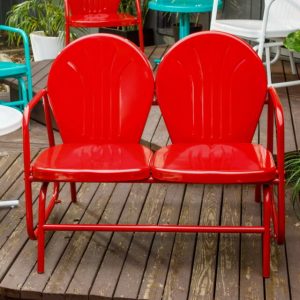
column 292, row 159
column 131, row 32
column 43, row 21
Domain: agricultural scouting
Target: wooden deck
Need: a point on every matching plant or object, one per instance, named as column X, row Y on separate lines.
column 86, row 265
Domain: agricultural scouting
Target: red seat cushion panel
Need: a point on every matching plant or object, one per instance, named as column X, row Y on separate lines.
column 214, row 163
column 103, row 20
column 93, row 163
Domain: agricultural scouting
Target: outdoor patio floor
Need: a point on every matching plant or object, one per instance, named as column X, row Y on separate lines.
column 86, row 265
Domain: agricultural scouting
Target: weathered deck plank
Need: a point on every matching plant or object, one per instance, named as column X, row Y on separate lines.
column 138, row 253
column 203, row 274
column 227, row 281
column 251, row 281
column 159, row 262
column 111, row 266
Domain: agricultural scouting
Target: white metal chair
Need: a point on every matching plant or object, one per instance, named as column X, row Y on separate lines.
column 280, row 18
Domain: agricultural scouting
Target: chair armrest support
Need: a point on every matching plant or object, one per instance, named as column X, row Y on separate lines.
column 268, row 4
column 139, row 11
column 277, row 110
column 67, row 10
column 41, row 95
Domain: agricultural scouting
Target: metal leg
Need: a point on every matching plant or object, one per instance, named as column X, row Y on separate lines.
column 41, row 231
column 258, row 193
column 184, row 25
column 73, row 192
column 268, row 66
column 266, row 234
column 293, row 66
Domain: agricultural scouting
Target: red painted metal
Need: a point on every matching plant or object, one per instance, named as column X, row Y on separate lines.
column 73, row 191
column 155, row 228
column 267, row 234
column 101, row 13
column 217, row 98
column 258, row 193
column 116, row 82
column 214, row 163
column 41, row 232
column 211, row 114
column 109, row 106
column 279, row 122
column 27, row 159
column 93, row 163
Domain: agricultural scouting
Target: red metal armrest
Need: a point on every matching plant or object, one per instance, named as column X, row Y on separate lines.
column 41, row 95
column 276, row 110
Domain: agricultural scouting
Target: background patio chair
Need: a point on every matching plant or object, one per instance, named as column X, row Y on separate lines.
column 211, row 105
column 19, row 71
column 101, row 13
column 101, row 112
column 10, row 121
column 280, row 17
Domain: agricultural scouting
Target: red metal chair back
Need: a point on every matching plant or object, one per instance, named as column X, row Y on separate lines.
column 211, row 88
column 101, row 89
column 83, row 7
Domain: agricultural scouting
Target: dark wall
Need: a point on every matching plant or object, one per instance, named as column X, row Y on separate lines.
column 5, row 6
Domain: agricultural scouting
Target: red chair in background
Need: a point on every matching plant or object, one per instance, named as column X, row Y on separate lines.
column 100, row 89
column 101, row 13
column 211, row 105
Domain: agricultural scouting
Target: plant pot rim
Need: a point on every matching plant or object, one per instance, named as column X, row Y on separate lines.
column 41, row 33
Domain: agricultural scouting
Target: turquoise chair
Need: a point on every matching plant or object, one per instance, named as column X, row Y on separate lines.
column 21, row 72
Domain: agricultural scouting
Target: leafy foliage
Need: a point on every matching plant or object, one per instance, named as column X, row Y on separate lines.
column 292, row 41
column 292, row 171
column 37, row 15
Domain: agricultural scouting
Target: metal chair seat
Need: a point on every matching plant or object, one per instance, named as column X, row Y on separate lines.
column 102, row 13
column 214, row 163
column 93, row 163
column 93, row 20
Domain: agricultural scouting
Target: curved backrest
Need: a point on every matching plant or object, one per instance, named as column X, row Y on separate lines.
column 79, row 7
column 284, row 14
column 100, row 90
column 211, row 88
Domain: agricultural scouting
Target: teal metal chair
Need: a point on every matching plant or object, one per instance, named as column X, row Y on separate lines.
column 21, row 72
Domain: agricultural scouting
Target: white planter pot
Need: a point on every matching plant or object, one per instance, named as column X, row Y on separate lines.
column 5, row 93
column 45, row 47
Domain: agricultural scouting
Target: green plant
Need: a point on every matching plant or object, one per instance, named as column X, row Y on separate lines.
column 292, row 159
column 292, row 41
column 37, row 15
column 292, row 172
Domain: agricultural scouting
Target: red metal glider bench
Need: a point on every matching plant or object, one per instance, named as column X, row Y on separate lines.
column 100, row 90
